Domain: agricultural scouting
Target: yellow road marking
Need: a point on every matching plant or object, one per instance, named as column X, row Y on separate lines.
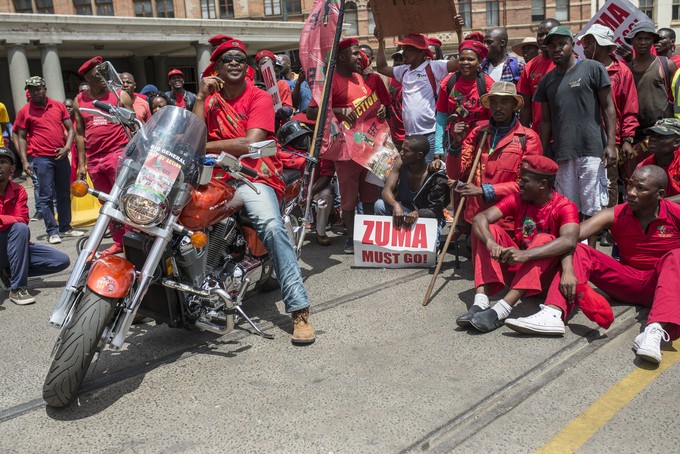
column 584, row 426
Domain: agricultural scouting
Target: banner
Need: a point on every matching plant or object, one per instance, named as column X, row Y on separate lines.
column 619, row 16
column 367, row 139
column 377, row 244
column 269, row 76
column 401, row 17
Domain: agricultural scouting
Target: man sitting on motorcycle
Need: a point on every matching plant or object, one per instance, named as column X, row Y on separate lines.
column 238, row 114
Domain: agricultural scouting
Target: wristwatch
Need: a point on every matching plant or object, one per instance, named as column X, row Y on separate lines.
column 629, row 140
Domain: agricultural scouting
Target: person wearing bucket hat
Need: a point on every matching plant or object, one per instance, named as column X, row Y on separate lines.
column 507, row 143
column 664, row 146
column 546, row 226
column 598, row 44
column 420, row 77
column 647, row 230
column 40, row 127
column 238, row 114
column 575, row 97
column 528, row 49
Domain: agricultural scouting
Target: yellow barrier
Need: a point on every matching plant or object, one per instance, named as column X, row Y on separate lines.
column 84, row 210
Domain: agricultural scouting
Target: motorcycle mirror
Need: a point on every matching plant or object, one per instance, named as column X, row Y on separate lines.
column 111, row 76
column 262, row 149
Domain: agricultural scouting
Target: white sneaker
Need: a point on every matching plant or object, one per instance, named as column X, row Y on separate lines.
column 54, row 239
column 73, row 233
column 647, row 344
column 547, row 321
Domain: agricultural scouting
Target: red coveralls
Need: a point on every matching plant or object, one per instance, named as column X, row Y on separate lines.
column 534, row 226
column 648, row 272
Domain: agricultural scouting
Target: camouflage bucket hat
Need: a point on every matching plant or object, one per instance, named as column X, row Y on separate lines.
column 665, row 127
column 34, row 81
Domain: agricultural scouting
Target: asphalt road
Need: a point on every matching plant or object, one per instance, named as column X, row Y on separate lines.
column 385, row 375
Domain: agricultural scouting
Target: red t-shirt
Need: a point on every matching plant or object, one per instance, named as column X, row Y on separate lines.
column 179, row 99
column 531, row 219
column 141, row 107
column 466, row 92
column 256, row 109
column 376, row 84
column 101, row 136
column 284, row 92
column 528, row 82
column 13, row 206
column 642, row 250
column 44, row 126
column 676, row 60
column 396, row 121
column 672, row 171
column 347, row 91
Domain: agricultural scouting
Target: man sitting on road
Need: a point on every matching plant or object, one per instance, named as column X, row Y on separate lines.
column 18, row 257
column 647, row 231
column 546, row 228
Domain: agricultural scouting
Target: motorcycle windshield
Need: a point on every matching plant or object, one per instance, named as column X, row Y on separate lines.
column 165, row 153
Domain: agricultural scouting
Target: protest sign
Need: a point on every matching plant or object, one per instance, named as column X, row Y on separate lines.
column 401, row 17
column 619, row 16
column 377, row 244
column 269, row 77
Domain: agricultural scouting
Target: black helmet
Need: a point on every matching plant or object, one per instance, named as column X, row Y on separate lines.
column 291, row 131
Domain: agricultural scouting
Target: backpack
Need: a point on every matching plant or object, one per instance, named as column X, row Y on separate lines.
column 481, row 90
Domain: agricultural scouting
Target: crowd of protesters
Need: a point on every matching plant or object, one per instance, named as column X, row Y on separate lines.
column 549, row 150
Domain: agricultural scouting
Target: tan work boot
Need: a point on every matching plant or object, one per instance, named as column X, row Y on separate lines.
column 303, row 333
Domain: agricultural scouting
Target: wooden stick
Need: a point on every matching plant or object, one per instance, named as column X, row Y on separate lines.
column 459, row 210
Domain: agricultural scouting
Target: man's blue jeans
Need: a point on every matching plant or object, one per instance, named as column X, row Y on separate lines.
column 54, row 183
column 36, row 193
column 263, row 211
column 24, row 259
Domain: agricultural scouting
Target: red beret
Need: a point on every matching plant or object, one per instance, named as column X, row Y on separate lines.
column 218, row 39
column 345, row 43
column 175, row 72
column 541, row 165
column 475, row 46
column 475, row 36
column 88, row 65
column 225, row 46
column 434, row 42
column 265, row 53
column 594, row 306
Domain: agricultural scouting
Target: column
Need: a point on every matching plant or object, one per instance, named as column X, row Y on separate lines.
column 51, row 69
column 203, row 52
column 18, row 73
column 160, row 72
column 139, row 71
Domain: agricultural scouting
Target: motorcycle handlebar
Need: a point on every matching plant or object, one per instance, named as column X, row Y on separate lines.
column 106, row 107
column 250, row 172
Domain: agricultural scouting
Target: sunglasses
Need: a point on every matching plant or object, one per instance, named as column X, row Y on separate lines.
column 237, row 58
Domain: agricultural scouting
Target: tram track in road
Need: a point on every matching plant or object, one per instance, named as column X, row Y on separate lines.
column 100, row 383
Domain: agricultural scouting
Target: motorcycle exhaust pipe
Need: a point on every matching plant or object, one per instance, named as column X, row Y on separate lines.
column 223, row 295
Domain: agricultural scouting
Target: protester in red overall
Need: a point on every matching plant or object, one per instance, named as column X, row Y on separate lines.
column 647, row 231
column 99, row 141
column 237, row 115
column 532, row 112
column 545, row 228
column 664, row 146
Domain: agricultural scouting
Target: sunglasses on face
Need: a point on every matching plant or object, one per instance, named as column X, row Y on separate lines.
column 237, row 58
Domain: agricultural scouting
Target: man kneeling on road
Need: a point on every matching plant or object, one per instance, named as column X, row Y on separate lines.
column 546, row 228
column 647, row 231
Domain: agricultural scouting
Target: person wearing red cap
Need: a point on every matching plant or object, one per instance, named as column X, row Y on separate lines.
column 647, row 230
column 284, row 113
column 99, row 142
column 238, row 114
column 420, row 77
column 182, row 97
column 348, row 91
column 546, row 226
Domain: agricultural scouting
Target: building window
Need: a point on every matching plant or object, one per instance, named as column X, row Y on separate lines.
column 44, row 6
column 537, row 10
column 293, row 6
column 208, row 9
column 647, row 7
column 676, row 9
column 371, row 19
column 272, row 7
column 492, row 13
column 351, row 18
column 83, row 7
column 104, row 7
column 23, row 6
column 465, row 11
column 562, row 10
column 165, row 8
column 226, row 8
column 143, row 8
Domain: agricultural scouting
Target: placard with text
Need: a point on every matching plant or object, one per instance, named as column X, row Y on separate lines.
column 401, row 17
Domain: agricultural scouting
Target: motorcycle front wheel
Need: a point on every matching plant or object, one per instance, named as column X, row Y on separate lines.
column 79, row 344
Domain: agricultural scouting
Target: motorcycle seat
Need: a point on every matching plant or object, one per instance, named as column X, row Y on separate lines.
column 290, row 176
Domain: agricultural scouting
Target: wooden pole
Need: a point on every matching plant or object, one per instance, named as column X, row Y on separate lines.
column 459, row 210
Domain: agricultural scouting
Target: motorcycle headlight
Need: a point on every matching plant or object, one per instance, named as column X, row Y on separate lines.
column 142, row 210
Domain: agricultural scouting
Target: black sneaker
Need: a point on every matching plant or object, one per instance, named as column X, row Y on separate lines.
column 21, row 297
column 464, row 320
column 486, row 321
column 349, row 246
column 37, row 217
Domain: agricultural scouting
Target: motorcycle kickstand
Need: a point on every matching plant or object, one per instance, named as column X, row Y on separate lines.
column 252, row 323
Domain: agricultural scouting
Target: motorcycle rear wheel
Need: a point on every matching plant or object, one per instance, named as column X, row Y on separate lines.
column 79, row 344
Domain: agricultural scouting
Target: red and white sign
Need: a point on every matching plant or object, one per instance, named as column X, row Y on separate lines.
column 619, row 16
column 269, row 77
column 377, row 244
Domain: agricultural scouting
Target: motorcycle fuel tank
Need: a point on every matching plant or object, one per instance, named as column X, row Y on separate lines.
column 209, row 204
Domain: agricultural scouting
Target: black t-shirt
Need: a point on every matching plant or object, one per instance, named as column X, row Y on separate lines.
column 577, row 129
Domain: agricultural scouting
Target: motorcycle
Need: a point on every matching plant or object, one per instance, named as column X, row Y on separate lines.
column 190, row 256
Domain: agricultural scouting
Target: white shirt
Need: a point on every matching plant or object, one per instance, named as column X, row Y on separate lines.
column 418, row 107
column 495, row 72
